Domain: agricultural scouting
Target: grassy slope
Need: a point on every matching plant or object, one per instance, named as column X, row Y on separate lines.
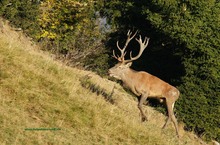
column 38, row 92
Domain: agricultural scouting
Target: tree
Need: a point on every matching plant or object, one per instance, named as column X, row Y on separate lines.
column 21, row 13
column 188, row 31
column 68, row 28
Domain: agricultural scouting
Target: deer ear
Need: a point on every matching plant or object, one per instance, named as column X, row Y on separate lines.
column 129, row 64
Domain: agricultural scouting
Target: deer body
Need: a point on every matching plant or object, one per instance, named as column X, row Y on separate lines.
column 144, row 84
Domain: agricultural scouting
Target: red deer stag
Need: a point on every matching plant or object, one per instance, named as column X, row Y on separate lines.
column 142, row 83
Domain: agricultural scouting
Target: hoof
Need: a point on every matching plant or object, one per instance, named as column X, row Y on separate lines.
column 178, row 136
column 144, row 119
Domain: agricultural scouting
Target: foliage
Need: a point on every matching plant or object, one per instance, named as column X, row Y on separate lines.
column 22, row 13
column 183, row 50
column 199, row 106
column 68, row 28
column 40, row 93
column 188, row 30
column 60, row 17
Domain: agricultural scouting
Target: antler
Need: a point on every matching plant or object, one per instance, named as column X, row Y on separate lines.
column 143, row 45
column 122, row 50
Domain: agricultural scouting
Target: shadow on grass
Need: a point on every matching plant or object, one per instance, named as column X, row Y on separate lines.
column 88, row 84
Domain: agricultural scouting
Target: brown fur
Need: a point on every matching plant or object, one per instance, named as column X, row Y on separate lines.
column 142, row 83
column 146, row 85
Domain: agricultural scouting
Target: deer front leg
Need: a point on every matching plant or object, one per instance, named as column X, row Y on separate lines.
column 140, row 103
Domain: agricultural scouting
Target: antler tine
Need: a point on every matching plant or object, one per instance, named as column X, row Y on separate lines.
column 116, row 57
column 129, row 32
column 118, row 46
column 129, row 35
column 122, row 50
column 143, row 45
column 146, row 41
column 129, row 38
column 121, row 58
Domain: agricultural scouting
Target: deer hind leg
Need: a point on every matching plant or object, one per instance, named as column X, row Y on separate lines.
column 171, row 116
column 140, row 103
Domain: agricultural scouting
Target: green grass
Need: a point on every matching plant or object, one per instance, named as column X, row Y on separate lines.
column 37, row 93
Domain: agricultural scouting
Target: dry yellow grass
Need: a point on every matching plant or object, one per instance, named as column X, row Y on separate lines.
column 43, row 102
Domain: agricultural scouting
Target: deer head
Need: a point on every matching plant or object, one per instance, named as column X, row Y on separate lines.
column 123, row 65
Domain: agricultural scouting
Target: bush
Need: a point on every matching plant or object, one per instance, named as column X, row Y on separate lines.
column 22, row 14
column 188, row 30
column 69, row 29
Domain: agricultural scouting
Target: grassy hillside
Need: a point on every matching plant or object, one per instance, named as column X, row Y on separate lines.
column 42, row 101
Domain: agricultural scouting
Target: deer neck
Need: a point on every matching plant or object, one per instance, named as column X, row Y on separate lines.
column 129, row 73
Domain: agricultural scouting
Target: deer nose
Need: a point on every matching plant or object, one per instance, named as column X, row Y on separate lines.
column 109, row 71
